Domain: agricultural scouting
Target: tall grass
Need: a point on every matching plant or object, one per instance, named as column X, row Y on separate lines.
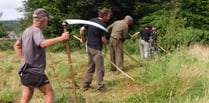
column 178, row 77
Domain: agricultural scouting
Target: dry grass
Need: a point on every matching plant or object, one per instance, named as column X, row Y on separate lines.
column 200, row 51
column 119, row 87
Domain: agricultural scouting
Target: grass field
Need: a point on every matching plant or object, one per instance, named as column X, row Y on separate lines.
column 178, row 77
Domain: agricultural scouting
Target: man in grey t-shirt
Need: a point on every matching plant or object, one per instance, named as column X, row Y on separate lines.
column 30, row 49
column 36, row 60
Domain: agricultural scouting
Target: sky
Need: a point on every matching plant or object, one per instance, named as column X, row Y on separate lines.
column 9, row 9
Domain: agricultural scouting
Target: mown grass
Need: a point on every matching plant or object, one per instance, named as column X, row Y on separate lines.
column 178, row 77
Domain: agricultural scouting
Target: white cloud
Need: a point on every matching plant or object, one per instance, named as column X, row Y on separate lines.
column 9, row 9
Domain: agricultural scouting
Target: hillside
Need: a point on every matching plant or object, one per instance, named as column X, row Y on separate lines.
column 178, row 77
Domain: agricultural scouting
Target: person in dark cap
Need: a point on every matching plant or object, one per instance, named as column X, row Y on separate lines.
column 40, row 12
column 144, row 44
column 30, row 49
column 153, row 42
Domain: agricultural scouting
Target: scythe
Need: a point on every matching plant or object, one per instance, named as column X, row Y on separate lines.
column 71, row 22
column 78, row 21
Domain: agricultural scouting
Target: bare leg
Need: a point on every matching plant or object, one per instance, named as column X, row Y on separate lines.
column 27, row 94
column 48, row 92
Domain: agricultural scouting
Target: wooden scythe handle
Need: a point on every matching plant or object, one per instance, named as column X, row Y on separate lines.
column 70, row 65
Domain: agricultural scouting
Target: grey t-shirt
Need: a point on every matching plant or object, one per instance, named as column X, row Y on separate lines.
column 33, row 54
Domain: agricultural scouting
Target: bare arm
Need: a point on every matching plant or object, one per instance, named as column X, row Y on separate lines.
column 82, row 29
column 104, row 41
column 18, row 49
column 135, row 34
column 52, row 41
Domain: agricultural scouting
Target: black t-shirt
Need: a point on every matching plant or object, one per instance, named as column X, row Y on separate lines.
column 95, row 34
column 145, row 34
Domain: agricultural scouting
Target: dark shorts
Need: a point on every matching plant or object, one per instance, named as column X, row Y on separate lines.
column 33, row 80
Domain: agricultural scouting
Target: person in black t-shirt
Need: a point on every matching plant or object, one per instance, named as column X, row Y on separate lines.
column 96, row 38
column 144, row 41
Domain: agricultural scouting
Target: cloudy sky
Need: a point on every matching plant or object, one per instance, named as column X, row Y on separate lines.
column 9, row 9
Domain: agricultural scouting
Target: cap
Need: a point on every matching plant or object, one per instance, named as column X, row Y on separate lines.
column 40, row 12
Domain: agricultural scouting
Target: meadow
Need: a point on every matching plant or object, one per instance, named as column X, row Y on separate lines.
column 177, row 77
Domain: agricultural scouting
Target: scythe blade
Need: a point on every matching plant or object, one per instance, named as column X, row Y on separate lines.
column 78, row 21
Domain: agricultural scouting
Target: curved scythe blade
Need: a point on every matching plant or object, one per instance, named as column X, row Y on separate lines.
column 78, row 21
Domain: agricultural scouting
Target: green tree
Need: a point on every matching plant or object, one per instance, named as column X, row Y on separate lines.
column 196, row 13
column 2, row 30
column 171, row 16
column 86, row 9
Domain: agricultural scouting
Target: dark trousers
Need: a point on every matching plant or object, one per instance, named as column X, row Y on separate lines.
column 116, row 53
column 95, row 63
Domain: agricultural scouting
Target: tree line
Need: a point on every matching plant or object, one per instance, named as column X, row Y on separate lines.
column 172, row 17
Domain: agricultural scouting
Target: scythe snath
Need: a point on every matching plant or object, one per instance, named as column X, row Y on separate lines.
column 70, row 64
